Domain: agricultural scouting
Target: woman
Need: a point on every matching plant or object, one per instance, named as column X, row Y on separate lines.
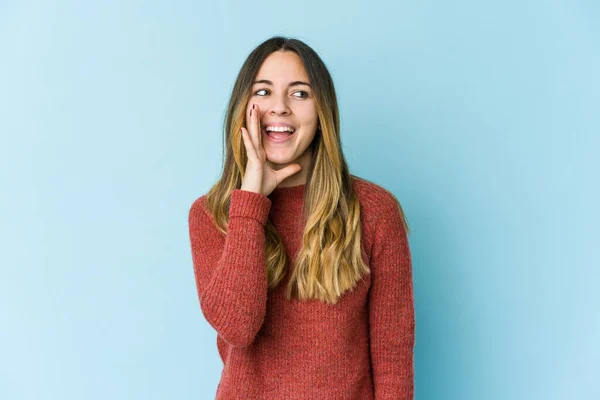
column 303, row 269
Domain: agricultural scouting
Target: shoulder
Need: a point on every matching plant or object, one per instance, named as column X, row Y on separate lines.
column 374, row 199
column 382, row 217
column 197, row 204
column 197, row 211
column 385, row 224
column 380, row 208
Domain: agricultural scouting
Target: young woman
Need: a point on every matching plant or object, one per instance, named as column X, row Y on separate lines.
column 303, row 269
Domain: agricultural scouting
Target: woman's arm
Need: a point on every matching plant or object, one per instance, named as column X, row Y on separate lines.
column 391, row 310
column 230, row 270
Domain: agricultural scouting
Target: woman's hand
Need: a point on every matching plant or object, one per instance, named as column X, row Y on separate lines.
column 259, row 176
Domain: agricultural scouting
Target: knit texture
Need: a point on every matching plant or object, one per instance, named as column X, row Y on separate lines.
column 272, row 348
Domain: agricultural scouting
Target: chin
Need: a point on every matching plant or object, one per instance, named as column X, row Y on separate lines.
column 279, row 159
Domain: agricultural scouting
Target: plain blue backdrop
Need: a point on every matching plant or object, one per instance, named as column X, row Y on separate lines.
column 483, row 118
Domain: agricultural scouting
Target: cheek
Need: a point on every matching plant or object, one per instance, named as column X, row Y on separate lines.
column 307, row 117
column 308, row 134
column 309, row 127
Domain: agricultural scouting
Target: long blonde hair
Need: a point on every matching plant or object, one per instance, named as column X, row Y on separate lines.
column 330, row 261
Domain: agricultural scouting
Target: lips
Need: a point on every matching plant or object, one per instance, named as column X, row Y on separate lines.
column 279, row 124
column 282, row 139
column 286, row 132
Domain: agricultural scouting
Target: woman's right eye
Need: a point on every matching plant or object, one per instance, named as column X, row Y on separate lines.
column 261, row 90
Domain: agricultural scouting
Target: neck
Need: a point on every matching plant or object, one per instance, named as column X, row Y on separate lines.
column 300, row 177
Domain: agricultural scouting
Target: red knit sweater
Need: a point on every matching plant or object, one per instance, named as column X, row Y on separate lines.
column 273, row 348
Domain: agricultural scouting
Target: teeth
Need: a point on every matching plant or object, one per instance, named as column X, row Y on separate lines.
column 279, row 129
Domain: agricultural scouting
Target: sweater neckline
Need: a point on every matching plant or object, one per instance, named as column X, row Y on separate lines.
column 289, row 194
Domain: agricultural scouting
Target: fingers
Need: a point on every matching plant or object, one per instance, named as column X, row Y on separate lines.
column 256, row 116
column 286, row 172
column 253, row 134
column 252, row 127
column 250, row 150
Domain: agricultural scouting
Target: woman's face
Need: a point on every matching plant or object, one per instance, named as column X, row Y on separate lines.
column 282, row 93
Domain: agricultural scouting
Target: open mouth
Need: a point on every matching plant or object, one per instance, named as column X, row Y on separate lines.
column 278, row 135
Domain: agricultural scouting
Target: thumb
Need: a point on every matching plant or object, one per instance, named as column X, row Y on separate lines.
column 287, row 172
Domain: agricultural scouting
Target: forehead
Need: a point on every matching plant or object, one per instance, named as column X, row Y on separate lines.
column 282, row 67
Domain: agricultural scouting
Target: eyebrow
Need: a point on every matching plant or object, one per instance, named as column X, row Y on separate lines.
column 294, row 83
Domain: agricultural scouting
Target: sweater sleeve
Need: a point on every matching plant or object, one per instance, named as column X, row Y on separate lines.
column 230, row 270
column 391, row 309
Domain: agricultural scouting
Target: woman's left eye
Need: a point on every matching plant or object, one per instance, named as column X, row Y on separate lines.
column 305, row 94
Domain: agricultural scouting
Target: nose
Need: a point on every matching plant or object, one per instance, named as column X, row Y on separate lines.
column 278, row 105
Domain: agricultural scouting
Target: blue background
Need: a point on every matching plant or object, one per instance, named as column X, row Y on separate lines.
column 482, row 117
